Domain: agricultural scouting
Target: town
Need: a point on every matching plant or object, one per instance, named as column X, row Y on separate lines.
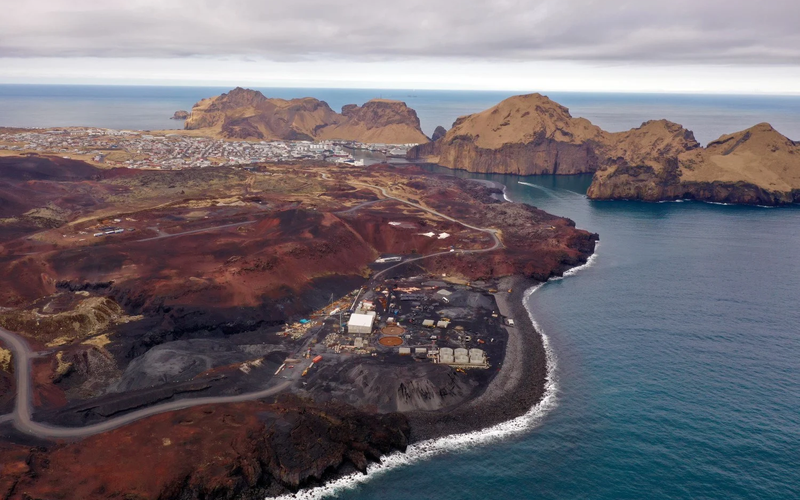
column 174, row 151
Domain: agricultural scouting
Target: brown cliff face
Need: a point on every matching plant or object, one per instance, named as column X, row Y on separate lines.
column 247, row 114
column 660, row 160
column 377, row 121
column 525, row 135
column 755, row 166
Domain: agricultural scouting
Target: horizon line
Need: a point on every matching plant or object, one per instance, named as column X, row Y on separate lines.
column 416, row 89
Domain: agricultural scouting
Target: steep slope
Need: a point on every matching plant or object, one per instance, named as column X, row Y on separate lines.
column 754, row 166
column 247, row 114
column 660, row 160
column 526, row 134
column 377, row 121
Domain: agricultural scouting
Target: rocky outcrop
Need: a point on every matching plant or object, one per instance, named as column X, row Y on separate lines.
column 757, row 166
column 180, row 115
column 660, row 160
column 247, row 450
column 248, row 114
column 524, row 135
column 438, row 133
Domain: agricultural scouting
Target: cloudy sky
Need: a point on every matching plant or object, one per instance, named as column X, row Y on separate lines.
column 616, row 45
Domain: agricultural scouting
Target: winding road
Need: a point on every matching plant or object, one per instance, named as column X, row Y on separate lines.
column 492, row 232
column 23, row 409
column 22, row 354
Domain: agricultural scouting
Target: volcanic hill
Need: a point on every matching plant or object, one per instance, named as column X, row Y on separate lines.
column 248, row 114
column 757, row 166
column 660, row 160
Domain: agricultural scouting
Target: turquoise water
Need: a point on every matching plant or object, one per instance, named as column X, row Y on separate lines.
column 678, row 350
column 678, row 363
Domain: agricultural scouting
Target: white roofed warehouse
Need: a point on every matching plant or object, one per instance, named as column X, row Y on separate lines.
column 361, row 323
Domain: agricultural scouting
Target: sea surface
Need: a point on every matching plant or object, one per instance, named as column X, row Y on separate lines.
column 675, row 354
column 150, row 108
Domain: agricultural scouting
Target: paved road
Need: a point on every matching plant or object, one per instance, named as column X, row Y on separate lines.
column 23, row 409
column 193, row 231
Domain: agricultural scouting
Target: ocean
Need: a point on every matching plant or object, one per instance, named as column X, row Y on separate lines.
column 150, row 108
column 675, row 354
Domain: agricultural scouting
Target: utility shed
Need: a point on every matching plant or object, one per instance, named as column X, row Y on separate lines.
column 428, row 322
column 361, row 323
column 442, row 324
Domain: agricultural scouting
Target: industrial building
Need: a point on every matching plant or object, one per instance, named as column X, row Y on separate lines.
column 361, row 324
column 461, row 356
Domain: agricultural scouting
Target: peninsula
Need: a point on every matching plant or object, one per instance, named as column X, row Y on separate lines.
column 660, row 160
column 250, row 330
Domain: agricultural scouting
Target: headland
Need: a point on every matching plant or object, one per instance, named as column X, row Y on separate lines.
column 210, row 319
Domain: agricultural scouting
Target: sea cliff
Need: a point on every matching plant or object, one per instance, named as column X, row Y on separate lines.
column 248, row 114
column 660, row 160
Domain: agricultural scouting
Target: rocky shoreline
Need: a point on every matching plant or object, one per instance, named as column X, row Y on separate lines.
column 518, row 387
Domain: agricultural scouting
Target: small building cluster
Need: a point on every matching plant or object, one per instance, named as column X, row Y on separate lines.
column 170, row 151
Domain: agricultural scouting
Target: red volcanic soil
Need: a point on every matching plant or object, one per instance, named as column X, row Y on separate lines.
column 221, row 451
column 45, row 394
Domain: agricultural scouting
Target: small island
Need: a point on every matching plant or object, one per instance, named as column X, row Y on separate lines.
column 180, row 115
column 658, row 161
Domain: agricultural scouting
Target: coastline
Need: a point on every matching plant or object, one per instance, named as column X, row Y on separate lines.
column 518, row 386
column 492, row 416
column 516, row 400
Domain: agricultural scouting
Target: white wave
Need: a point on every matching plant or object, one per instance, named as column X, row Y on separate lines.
column 541, row 188
column 425, row 450
column 457, row 442
column 505, row 196
column 575, row 270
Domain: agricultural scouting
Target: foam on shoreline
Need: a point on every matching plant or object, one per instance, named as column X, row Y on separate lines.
column 427, row 449
column 454, row 443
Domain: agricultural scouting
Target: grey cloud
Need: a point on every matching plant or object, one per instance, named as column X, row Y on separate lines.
column 722, row 31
